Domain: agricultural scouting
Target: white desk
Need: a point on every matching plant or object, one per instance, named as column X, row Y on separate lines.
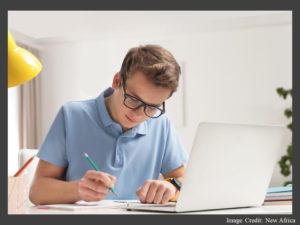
column 267, row 210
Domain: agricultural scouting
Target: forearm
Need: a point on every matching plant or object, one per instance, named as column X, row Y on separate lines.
column 53, row 191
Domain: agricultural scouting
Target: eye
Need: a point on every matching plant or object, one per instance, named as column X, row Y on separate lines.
column 134, row 99
column 150, row 110
column 132, row 102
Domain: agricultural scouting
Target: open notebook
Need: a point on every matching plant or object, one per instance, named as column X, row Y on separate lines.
column 82, row 205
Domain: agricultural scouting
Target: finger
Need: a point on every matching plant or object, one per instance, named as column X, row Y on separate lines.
column 100, row 176
column 151, row 192
column 112, row 178
column 166, row 196
column 88, row 198
column 159, row 193
column 91, row 195
column 142, row 191
column 93, row 185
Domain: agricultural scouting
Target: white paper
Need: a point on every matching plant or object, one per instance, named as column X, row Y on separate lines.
column 82, row 205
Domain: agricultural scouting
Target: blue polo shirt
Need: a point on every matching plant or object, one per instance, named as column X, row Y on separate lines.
column 134, row 156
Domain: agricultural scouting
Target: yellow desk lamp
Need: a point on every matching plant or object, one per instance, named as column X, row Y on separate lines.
column 22, row 65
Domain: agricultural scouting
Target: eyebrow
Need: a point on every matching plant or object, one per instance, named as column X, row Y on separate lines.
column 136, row 96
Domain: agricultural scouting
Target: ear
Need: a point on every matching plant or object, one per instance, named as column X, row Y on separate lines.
column 116, row 81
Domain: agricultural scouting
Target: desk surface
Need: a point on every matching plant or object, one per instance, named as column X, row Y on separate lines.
column 266, row 209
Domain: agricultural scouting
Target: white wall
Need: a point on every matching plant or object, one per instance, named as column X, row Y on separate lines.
column 230, row 72
column 13, row 130
column 230, row 75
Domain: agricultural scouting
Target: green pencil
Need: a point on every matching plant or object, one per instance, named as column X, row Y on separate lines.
column 94, row 165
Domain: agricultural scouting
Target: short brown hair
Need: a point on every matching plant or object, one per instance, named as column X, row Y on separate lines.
column 155, row 62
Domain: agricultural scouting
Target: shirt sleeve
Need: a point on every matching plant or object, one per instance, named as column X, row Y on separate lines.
column 175, row 154
column 53, row 149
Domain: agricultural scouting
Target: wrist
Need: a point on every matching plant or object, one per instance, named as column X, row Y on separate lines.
column 177, row 184
column 76, row 194
column 175, row 181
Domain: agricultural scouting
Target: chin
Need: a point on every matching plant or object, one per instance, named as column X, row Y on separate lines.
column 130, row 125
column 127, row 124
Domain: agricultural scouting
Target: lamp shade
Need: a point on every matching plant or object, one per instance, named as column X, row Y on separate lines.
column 22, row 65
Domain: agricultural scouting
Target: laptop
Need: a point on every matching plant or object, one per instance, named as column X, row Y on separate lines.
column 230, row 166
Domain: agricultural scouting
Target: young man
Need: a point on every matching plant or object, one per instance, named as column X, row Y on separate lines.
column 126, row 133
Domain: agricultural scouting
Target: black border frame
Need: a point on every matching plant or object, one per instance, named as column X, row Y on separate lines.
column 6, row 5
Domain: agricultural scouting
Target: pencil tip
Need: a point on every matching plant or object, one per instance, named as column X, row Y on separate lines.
column 86, row 155
column 113, row 191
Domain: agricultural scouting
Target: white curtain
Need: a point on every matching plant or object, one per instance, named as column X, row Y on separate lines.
column 29, row 109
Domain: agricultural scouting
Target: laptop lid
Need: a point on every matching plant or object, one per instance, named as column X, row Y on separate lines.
column 230, row 165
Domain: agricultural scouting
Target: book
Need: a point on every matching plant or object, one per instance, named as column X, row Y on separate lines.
column 284, row 202
column 280, row 189
column 279, row 193
column 274, row 198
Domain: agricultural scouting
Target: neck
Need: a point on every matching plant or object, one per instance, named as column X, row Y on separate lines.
column 109, row 105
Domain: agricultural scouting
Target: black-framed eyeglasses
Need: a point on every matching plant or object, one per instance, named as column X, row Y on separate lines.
column 133, row 102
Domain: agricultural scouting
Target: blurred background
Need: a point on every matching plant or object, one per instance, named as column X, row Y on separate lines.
column 232, row 63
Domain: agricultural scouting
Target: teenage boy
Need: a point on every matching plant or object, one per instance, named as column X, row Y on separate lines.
column 124, row 130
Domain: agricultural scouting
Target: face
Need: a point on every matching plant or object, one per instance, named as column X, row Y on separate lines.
column 139, row 86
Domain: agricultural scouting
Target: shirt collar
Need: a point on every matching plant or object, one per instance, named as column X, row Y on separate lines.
column 107, row 121
column 104, row 115
column 140, row 129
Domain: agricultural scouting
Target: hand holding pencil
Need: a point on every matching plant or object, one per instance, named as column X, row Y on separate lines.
column 95, row 185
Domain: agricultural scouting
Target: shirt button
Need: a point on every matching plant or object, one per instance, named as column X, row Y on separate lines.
column 119, row 156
